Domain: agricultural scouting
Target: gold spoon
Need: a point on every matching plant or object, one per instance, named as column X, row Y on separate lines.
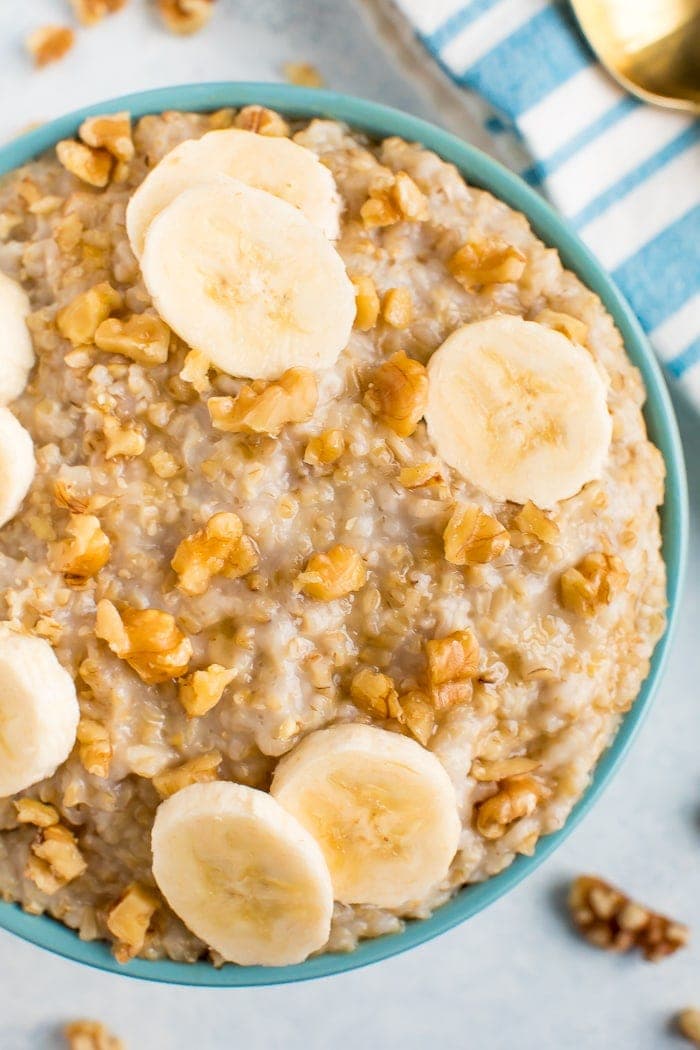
column 652, row 47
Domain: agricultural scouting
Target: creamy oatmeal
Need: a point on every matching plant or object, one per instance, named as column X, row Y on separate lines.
column 224, row 567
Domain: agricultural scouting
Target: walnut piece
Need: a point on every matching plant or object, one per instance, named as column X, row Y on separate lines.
column 199, row 770
column 501, row 769
column 394, row 198
column 594, row 582
column 219, row 548
column 262, row 121
column 202, row 690
column 89, row 12
column 31, row 811
column 375, row 693
column 398, row 393
column 143, row 338
column 195, row 370
column 334, row 574
column 79, row 320
column 569, row 326
column 609, row 919
column 55, row 859
column 366, row 302
column 473, row 537
column 688, row 1024
column 94, row 747
column 49, row 43
column 128, row 920
column 149, row 640
column 84, row 552
column 452, row 663
column 397, row 307
column 90, row 1035
column 121, row 440
column 110, row 131
column 93, row 166
column 491, row 261
column 303, row 74
column 517, row 797
column 185, row 16
column 418, row 715
column 265, row 407
column 429, row 472
column 325, row 448
column 534, row 522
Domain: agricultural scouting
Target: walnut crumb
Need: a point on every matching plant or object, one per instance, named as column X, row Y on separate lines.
column 218, row 548
column 93, row 166
column 200, row 770
column 202, row 690
column 366, row 302
column 94, row 747
column 609, row 919
column 473, row 537
column 83, row 553
column 262, row 121
column 128, row 920
column 376, row 693
column 593, row 582
column 303, row 74
column 534, row 522
column 79, row 320
column 325, row 448
column 265, row 407
column 149, row 640
column 49, row 43
column 394, row 198
column 54, row 859
column 492, row 261
column 398, row 393
column 122, row 440
column 569, row 326
column 143, row 338
column 90, row 1035
column 336, row 573
column 195, row 370
column 516, row 797
column 397, row 307
column 31, row 811
column 418, row 715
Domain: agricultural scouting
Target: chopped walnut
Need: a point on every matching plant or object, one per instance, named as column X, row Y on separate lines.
column 303, row 74
column 90, row 1035
column 55, row 859
column 31, row 811
column 94, row 747
column 164, row 465
column 418, row 715
column 122, row 440
column 49, row 43
column 688, row 1024
column 128, row 920
column 534, row 522
column 595, row 581
column 325, row 448
column 473, row 537
column 375, row 693
column 610, row 919
column 201, row 691
column 199, row 770
column 265, row 407
column 79, row 320
column 398, row 393
column 517, row 797
column 89, row 12
column 67, row 497
column 219, row 548
column 429, row 472
column 262, row 121
column 492, row 261
column 394, row 198
column 195, row 370
column 397, row 307
column 9, row 220
column 93, row 166
column 501, row 769
column 84, row 552
column 148, row 639
column 143, row 338
column 110, row 131
column 335, row 574
column 569, row 326
column 452, row 663
column 185, row 16
column 366, row 302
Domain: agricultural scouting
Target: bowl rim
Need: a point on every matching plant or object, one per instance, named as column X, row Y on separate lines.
column 481, row 170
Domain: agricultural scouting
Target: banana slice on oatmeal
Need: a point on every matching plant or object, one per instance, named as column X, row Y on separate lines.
column 245, row 279
column 276, row 165
column 38, row 711
column 17, row 465
column 382, row 808
column 518, row 410
column 16, row 350
column 242, row 874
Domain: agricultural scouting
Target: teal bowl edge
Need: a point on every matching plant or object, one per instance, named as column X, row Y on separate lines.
column 479, row 169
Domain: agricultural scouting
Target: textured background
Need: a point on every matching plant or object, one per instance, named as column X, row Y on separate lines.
column 513, row 977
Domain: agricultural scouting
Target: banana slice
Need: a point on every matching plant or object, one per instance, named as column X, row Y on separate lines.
column 276, row 165
column 518, row 410
column 17, row 465
column 242, row 874
column 244, row 278
column 16, row 350
column 38, row 711
column 382, row 808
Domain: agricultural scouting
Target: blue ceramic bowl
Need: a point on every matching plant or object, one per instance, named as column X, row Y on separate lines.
column 380, row 121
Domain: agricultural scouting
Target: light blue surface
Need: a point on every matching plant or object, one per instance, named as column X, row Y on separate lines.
column 481, row 170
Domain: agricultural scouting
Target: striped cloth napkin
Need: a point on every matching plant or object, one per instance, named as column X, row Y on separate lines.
column 626, row 174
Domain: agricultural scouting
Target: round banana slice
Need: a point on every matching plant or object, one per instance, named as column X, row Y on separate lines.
column 244, row 278
column 242, row 874
column 16, row 350
column 38, row 711
column 276, row 165
column 382, row 808
column 17, row 465
column 518, row 410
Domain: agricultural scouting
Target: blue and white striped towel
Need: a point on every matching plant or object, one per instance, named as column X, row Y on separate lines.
column 626, row 174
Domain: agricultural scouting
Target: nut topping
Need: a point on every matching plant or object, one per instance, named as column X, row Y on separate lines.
column 335, row 574
column 473, row 537
column 219, row 548
column 452, row 663
column 398, row 393
column 265, row 407
column 148, row 639
column 594, row 582
column 492, row 261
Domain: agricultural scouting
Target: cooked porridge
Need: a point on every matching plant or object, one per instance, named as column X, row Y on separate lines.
column 233, row 570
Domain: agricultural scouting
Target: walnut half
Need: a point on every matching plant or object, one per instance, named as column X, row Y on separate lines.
column 472, row 536
column 149, row 640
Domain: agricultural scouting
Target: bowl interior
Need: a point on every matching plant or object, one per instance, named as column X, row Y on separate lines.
column 381, row 121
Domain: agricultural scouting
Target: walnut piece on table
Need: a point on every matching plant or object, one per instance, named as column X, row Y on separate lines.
column 49, row 43
column 90, row 12
column 688, row 1024
column 303, row 74
column 90, row 1035
column 185, row 16
column 611, row 920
